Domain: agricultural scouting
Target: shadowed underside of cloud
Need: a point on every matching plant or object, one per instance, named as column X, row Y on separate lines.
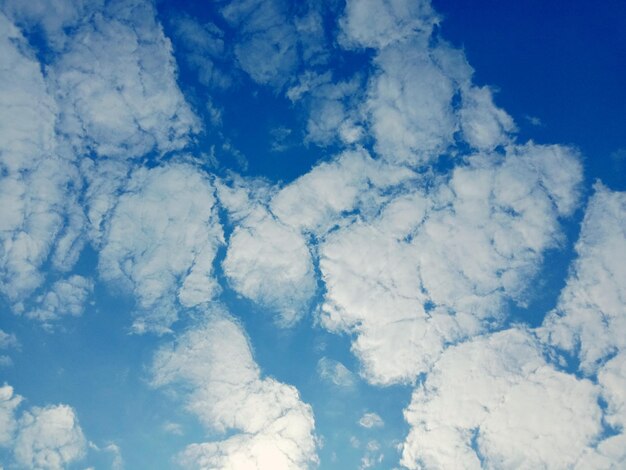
column 221, row 384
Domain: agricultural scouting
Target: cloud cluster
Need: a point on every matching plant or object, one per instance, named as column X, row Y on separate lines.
column 40, row 219
column 494, row 402
column 41, row 438
column 436, row 265
column 115, row 83
column 161, row 241
column 212, row 367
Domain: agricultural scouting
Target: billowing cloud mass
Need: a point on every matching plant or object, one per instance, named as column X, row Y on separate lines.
column 116, row 85
column 494, row 402
column 42, row 438
column 37, row 184
column 221, row 384
column 410, row 219
column 161, row 241
column 437, row 265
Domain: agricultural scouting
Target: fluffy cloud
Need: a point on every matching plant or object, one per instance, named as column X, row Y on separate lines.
column 161, row 241
column 269, row 262
column 42, row 438
column 378, row 23
column 436, row 265
column 222, row 385
column 39, row 216
column 267, row 40
column 65, row 297
column 494, row 402
column 8, row 423
column 116, row 85
column 590, row 318
column 49, row 437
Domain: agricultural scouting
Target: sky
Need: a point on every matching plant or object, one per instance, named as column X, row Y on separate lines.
column 273, row 234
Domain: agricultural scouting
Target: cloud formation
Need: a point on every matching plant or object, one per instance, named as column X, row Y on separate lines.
column 161, row 241
column 219, row 381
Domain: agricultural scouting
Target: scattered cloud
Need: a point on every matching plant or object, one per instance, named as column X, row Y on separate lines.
column 335, row 372
column 219, row 381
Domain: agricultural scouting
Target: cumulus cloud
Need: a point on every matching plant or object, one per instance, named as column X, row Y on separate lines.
column 161, row 241
column 590, row 318
column 494, row 402
column 378, row 23
column 41, row 438
column 65, row 297
column 212, row 367
column 266, row 48
column 115, row 83
column 335, row 372
column 436, row 265
column 270, row 263
column 39, row 217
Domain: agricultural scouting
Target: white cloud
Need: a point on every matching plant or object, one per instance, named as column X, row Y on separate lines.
column 161, row 241
column 39, row 216
column 484, row 125
column 9, row 401
column 318, row 200
column 49, row 438
column 42, row 438
column 371, row 420
column 494, row 402
column 8, row 340
column 115, row 83
column 436, row 265
column 65, row 297
column 269, row 263
column 266, row 45
column 409, row 105
column 590, row 318
column 221, row 384
column 53, row 16
column 378, row 23
column 335, row 372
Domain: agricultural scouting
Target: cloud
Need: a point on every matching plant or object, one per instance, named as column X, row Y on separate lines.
column 438, row 261
column 494, row 402
column 378, row 23
column 115, row 83
column 65, row 297
column 335, row 372
column 42, row 438
column 161, row 241
column 212, row 367
column 371, row 420
column 266, row 45
column 49, row 437
column 8, row 422
column 590, row 317
column 8, row 340
column 39, row 216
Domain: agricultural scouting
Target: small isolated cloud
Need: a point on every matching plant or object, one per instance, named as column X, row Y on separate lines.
column 335, row 372
column 8, row 340
column 173, row 428
column 371, row 420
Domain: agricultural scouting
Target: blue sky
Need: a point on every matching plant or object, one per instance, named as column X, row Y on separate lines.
column 286, row 235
